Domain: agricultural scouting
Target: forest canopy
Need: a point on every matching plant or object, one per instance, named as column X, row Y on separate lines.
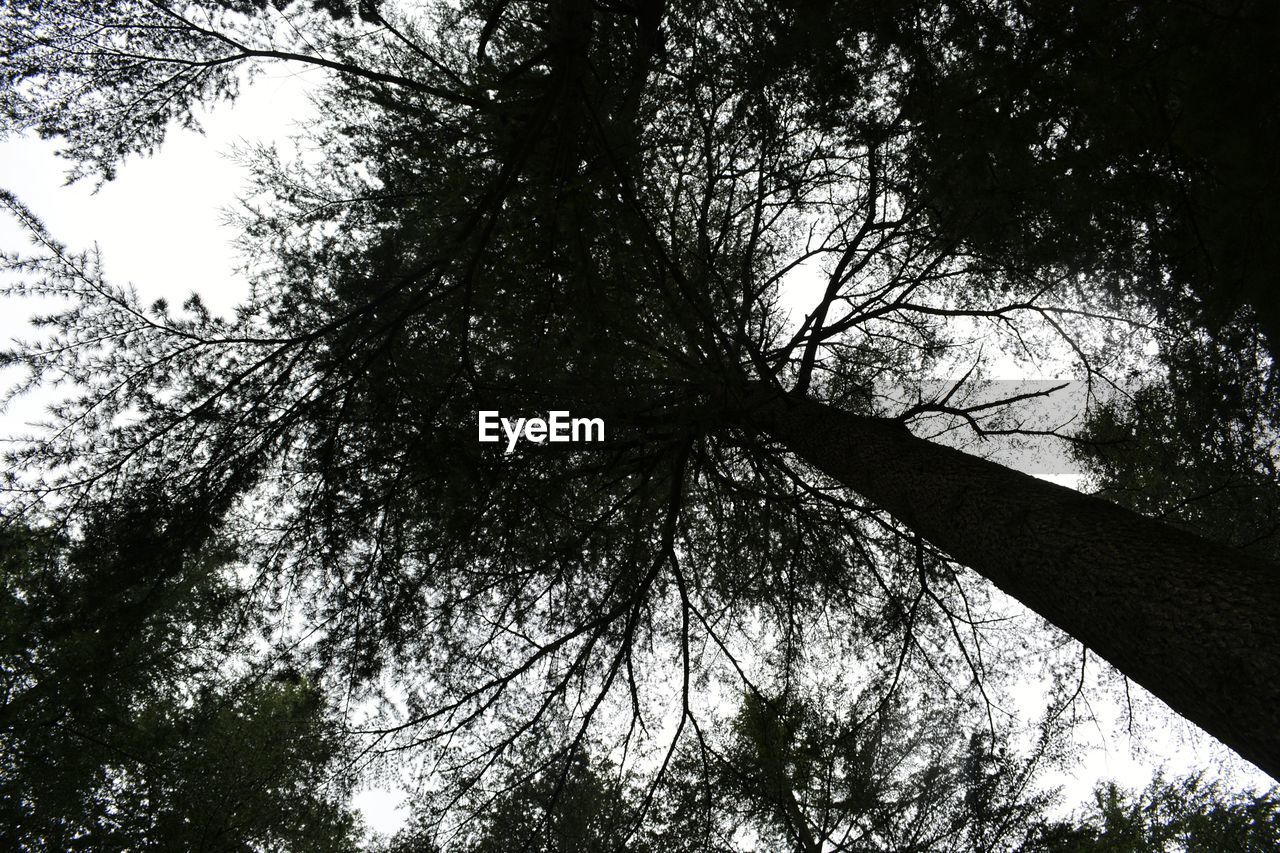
column 792, row 258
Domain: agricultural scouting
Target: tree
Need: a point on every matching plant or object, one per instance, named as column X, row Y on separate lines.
column 1038, row 136
column 561, row 808
column 793, row 781
column 780, row 775
column 554, row 205
column 1183, row 814
column 1208, row 418
column 119, row 732
column 806, row 775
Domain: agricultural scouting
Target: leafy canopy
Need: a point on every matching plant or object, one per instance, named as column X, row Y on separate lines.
column 526, row 206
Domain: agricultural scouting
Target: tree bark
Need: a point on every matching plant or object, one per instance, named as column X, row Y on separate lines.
column 1195, row 622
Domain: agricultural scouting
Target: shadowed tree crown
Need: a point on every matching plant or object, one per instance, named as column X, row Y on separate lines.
column 615, row 210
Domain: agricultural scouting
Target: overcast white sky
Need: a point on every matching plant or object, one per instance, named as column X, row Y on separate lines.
column 159, row 225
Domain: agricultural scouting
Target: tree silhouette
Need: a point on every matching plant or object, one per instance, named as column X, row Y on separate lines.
column 798, row 782
column 1130, row 141
column 540, row 206
column 123, row 727
column 785, row 775
column 1195, row 447
column 1182, row 814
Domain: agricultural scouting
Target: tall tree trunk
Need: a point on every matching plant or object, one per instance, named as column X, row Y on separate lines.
column 1195, row 622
